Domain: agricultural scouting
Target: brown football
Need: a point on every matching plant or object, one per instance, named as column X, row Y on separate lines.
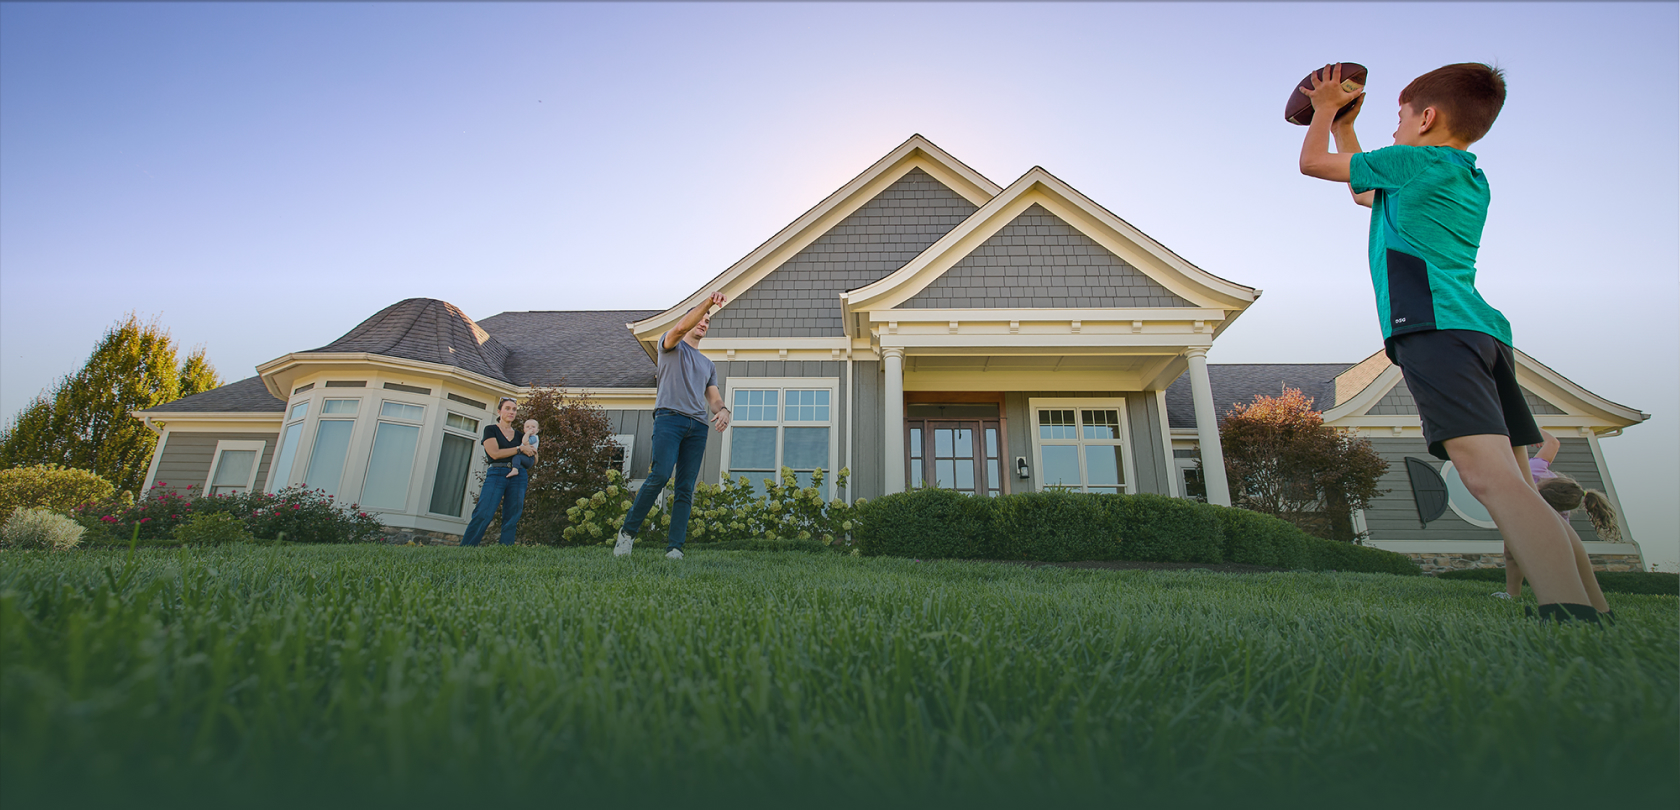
column 1299, row 110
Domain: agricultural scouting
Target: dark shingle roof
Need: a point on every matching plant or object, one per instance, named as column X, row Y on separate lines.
column 430, row 331
column 1234, row 383
column 246, row 396
column 588, row 349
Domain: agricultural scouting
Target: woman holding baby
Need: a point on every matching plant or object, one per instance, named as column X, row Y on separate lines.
column 504, row 479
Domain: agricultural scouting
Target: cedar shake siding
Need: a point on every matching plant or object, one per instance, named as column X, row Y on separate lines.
column 801, row 298
column 1038, row 260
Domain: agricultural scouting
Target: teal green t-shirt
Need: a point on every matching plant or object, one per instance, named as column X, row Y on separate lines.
column 1426, row 224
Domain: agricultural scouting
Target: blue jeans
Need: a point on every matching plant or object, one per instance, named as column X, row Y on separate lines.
column 678, row 442
column 502, row 490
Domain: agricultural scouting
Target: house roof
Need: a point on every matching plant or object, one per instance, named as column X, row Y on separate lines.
column 582, row 349
column 245, row 396
column 1235, row 383
column 427, row 330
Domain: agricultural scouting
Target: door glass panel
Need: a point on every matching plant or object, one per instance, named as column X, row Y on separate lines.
column 1102, row 465
column 941, row 442
column 991, row 442
column 992, row 479
column 944, row 473
column 965, row 474
column 963, row 439
column 915, row 457
column 1061, row 465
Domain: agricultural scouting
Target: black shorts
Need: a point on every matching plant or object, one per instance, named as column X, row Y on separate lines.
column 1465, row 384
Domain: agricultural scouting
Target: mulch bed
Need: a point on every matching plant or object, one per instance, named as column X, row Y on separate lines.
column 1132, row 565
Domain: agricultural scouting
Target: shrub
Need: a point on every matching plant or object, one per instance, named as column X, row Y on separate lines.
column 731, row 510
column 1162, row 529
column 930, row 523
column 1055, row 527
column 211, row 528
column 301, row 515
column 575, row 455
column 1255, row 539
column 49, row 486
column 1633, row 582
column 1334, row 555
column 1068, row 526
column 40, row 529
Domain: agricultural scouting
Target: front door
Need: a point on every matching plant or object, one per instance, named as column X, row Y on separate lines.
column 961, row 454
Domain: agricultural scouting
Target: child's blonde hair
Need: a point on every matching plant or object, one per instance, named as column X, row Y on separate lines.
column 1565, row 494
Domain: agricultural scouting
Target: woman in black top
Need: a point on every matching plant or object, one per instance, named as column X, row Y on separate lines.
column 501, row 442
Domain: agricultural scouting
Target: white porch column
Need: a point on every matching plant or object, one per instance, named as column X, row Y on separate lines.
column 893, row 362
column 1207, row 429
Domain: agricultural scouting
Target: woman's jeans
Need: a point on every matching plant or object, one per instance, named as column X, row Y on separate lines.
column 678, row 442
column 498, row 489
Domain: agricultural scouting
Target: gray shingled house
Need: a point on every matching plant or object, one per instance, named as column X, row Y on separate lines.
column 921, row 324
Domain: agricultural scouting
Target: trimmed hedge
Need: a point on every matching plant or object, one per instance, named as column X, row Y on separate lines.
column 1635, row 582
column 1067, row 526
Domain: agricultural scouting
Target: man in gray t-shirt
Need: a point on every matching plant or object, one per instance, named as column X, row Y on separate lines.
column 688, row 396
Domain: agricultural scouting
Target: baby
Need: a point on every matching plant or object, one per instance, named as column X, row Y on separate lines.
column 520, row 460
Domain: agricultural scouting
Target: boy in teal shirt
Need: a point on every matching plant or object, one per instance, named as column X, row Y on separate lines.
column 1428, row 204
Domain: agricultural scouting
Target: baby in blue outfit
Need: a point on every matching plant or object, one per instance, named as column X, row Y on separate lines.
column 520, row 460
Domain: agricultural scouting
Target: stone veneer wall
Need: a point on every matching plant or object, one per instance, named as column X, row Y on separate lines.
column 1433, row 564
column 400, row 536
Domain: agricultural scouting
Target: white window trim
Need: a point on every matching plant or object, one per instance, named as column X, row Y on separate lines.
column 235, row 444
column 434, row 458
column 628, row 442
column 273, row 485
column 318, row 405
column 1474, row 521
column 831, row 384
column 402, row 398
column 1081, row 403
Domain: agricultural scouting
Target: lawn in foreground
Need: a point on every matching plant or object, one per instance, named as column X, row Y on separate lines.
column 373, row 675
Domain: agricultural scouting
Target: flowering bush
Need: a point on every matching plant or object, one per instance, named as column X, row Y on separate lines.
column 40, row 529
column 295, row 513
column 728, row 511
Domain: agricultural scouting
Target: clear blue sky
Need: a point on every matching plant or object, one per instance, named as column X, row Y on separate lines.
column 265, row 176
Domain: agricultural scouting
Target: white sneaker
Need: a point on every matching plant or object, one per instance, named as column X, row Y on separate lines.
column 622, row 547
column 1500, row 595
column 674, row 554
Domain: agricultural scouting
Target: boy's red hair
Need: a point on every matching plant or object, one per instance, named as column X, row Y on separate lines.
column 1468, row 96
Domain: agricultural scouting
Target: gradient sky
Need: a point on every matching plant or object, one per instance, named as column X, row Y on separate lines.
column 264, row 176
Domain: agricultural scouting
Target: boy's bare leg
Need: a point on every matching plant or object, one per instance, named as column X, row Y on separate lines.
column 1531, row 529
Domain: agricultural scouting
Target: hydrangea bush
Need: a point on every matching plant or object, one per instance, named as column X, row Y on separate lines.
column 729, row 510
column 44, row 529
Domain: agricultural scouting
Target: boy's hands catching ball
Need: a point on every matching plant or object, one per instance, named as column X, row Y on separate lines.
column 1329, row 91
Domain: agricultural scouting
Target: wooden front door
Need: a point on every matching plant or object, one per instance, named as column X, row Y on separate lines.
column 965, row 455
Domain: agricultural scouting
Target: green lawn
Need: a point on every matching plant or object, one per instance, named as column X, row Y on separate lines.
column 382, row 676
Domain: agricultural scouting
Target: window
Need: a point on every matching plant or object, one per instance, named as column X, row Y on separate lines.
column 1080, row 445
column 332, row 444
column 781, row 423
column 282, row 472
column 449, row 485
column 1462, row 502
column 625, row 442
column 233, row 468
column 1188, row 464
column 391, row 463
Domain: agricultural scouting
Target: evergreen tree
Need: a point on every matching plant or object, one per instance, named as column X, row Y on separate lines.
column 84, row 421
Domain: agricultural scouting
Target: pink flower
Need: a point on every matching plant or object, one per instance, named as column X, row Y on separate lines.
column 143, row 520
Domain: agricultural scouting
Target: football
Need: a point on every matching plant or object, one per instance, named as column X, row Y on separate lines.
column 1299, row 110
